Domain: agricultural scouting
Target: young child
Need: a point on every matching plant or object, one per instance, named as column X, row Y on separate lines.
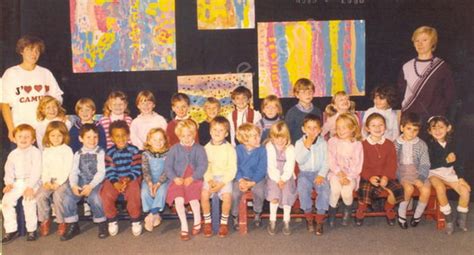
column 88, row 171
column 251, row 171
column 22, row 175
column 346, row 156
column 123, row 163
column 340, row 103
column 180, row 106
column 85, row 110
column 219, row 175
column 211, row 108
column 281, row 186
column 49, row 109
column 311, row 155
column 155, row 183
column 447, row 170
column 146, row 120
column 243, row 112
column 56, row 167
column 413, row 168
column 185, row 165
column 304, row 91
column 379, row 171
column 385, row 98
column 272, row 112
column 115, row 108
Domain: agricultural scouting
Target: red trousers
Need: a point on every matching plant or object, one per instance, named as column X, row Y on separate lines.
column 109, row 196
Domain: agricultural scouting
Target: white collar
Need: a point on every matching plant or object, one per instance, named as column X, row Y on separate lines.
column 372, row 142
column 400, row 140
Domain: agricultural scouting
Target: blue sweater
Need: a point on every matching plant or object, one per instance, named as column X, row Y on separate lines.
column 126, row 162
column 74, row 142
column 294, row 119
column 251, row 165
column 179, row 157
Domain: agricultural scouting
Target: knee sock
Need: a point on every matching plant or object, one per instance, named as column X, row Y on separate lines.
column 179, row 204
column 286, row 213
column 462, row 209
column 446, row 210
column 273, row 211
column 224, row 219
column 402, row 211
column 196, row 208
column 207, row 218
column 420, row 208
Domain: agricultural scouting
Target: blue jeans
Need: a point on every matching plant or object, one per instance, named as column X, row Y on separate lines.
column 305, row 188
column 157, row 202
column 70, row 206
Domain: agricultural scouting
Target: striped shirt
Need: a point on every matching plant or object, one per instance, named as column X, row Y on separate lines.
column 105, row 123
column 126, row 162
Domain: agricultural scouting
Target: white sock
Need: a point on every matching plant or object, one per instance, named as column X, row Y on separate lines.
column 224, row 219
column 179, row 203
column 463, row 209
column 196, row 208
column 273, row 211
column 207, row 218
column 402, row 211
column 420, row 208
column 286, row 213
column 445, row 209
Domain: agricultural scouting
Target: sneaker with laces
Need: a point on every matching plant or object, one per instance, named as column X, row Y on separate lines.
column 113, row 228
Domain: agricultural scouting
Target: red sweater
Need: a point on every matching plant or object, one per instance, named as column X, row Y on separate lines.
column 379, row 160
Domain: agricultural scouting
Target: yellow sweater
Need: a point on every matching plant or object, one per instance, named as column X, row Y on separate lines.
column 222, row 162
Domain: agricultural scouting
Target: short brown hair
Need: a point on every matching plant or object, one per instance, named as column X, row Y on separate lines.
column 410, row 118
column 220, row 120
column 212, row 100
column 25, row 127
column 241, row 90
column 244, row 130
column 312, row 117
column 84, row 102
column 386, row 92
column 55, row 125
column 269, row 99
column 176, row 97
column 86, row 128
column 303, row 84
column 29, row 41
column 145, row 95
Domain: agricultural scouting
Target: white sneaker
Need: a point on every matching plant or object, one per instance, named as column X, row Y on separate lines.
column 87, row 210
column 113, row 228
column 137, row 228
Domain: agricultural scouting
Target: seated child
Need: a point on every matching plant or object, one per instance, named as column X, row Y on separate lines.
column 211, row 108
column 85, row 110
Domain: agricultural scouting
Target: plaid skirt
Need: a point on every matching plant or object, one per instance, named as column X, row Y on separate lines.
column 368, row 192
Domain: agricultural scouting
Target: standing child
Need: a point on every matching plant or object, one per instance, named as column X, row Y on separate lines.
column 180, row 106
column 251, row 171
column 123, row 163
column 447, row 170
column 346, row 156
column 243, row 112
column 57, row 165
column 155, row 183
column 185, row 165
column 211, row 108
column 49, row 109
column 385, row 98
column 22, row 175
column 413, row 168
column 146, row 120
column 311, row 155
column 272, row 112
column 281, row 186
column 115, row 108
column 87, row 174
column 340, row 103
column 85, row 110
column 379, row 171
column 304, row 91
column 219, row 175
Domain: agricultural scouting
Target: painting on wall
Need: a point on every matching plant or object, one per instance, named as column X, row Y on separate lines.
column 200, row 87
column 115, row 36
column 329, row 53
column 225, row 14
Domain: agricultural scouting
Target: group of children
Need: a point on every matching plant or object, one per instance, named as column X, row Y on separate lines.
column 151, row 163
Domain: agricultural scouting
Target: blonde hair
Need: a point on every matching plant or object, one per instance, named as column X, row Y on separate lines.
column 147, row 145
column 245, row 130
column 45, row 100
column 212, row 100
column 350, row 120
column 55, row 125
column 430, row 31
column 331, row 108
column 185, row 124
column 303, row 84
column 272, row 99
column 113, row 95
column 25, row 127
column 279, row 129
column 84, row 102
column 145, row 95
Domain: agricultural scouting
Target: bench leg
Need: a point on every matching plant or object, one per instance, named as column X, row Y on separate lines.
column 243, row 215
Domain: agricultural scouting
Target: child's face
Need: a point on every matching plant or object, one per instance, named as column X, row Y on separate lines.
column 90, row 139
column 157, row 141
column 31, row 54
column 305, row 96
column 342, row 103
column 240, row 101
column 146, row 106
column 409, row 131
column 439, row 131
column 271, row 110
column 56, row 138
column 343, row 130
column 253, row 141
column 51, row 110
column 376, row 128
column 180, row 108
column 211, row 110
column 187, row 136
column 311, row 128
column 218, row 133
column 117, row 106
column 24, row 139
column 280, row 142
column 120, row 137
column 86, row 113
column 381, row 103
column 423, row 44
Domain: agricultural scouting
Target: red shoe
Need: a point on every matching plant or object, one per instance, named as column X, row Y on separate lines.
column 196, row 229
column 44, row 227
column 207, row 229
column 184, row 236
column 61, row 229
column 223, row 230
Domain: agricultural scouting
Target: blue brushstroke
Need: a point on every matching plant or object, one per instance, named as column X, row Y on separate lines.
column 360, row 54
column 327, row 54
column 239, row 10
column 282, row 55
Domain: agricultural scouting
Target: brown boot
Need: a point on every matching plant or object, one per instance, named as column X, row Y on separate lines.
column 207, row 229
column 319, row 224
column 309, row 222
column 61, row 229
column 223, row 230
column 44, row 227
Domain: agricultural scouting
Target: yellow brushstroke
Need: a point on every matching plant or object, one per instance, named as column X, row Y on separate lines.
column 299, row 38
column 97, row 52
column 337, row 74
column 101, row 2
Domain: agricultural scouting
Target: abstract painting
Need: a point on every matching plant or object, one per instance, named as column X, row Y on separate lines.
column 122, row 35
column 329, row 53
column 200, row 87
column 225, row 14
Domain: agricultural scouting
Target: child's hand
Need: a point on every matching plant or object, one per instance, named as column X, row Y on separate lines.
column 383, row 181
column 418, row 183
column 216, row 187
column 319, row 180
column 211, row 183
column 155, row 188
column 308, row 141
column 29, row 194
column 281, row 184
column 188, row 181
column 345, row 181
column 150, row 188
column 76, row 190
column 341, row 174
column 86, row 190
column 118, row 186
column 54, row 186
column 178, row 181
column 463, row 182
column 451, row 158
column 47, row 186
column 374, row 180
column 243, row 186
column 7, row 188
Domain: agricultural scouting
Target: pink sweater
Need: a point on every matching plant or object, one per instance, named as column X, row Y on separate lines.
column 345, row 156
